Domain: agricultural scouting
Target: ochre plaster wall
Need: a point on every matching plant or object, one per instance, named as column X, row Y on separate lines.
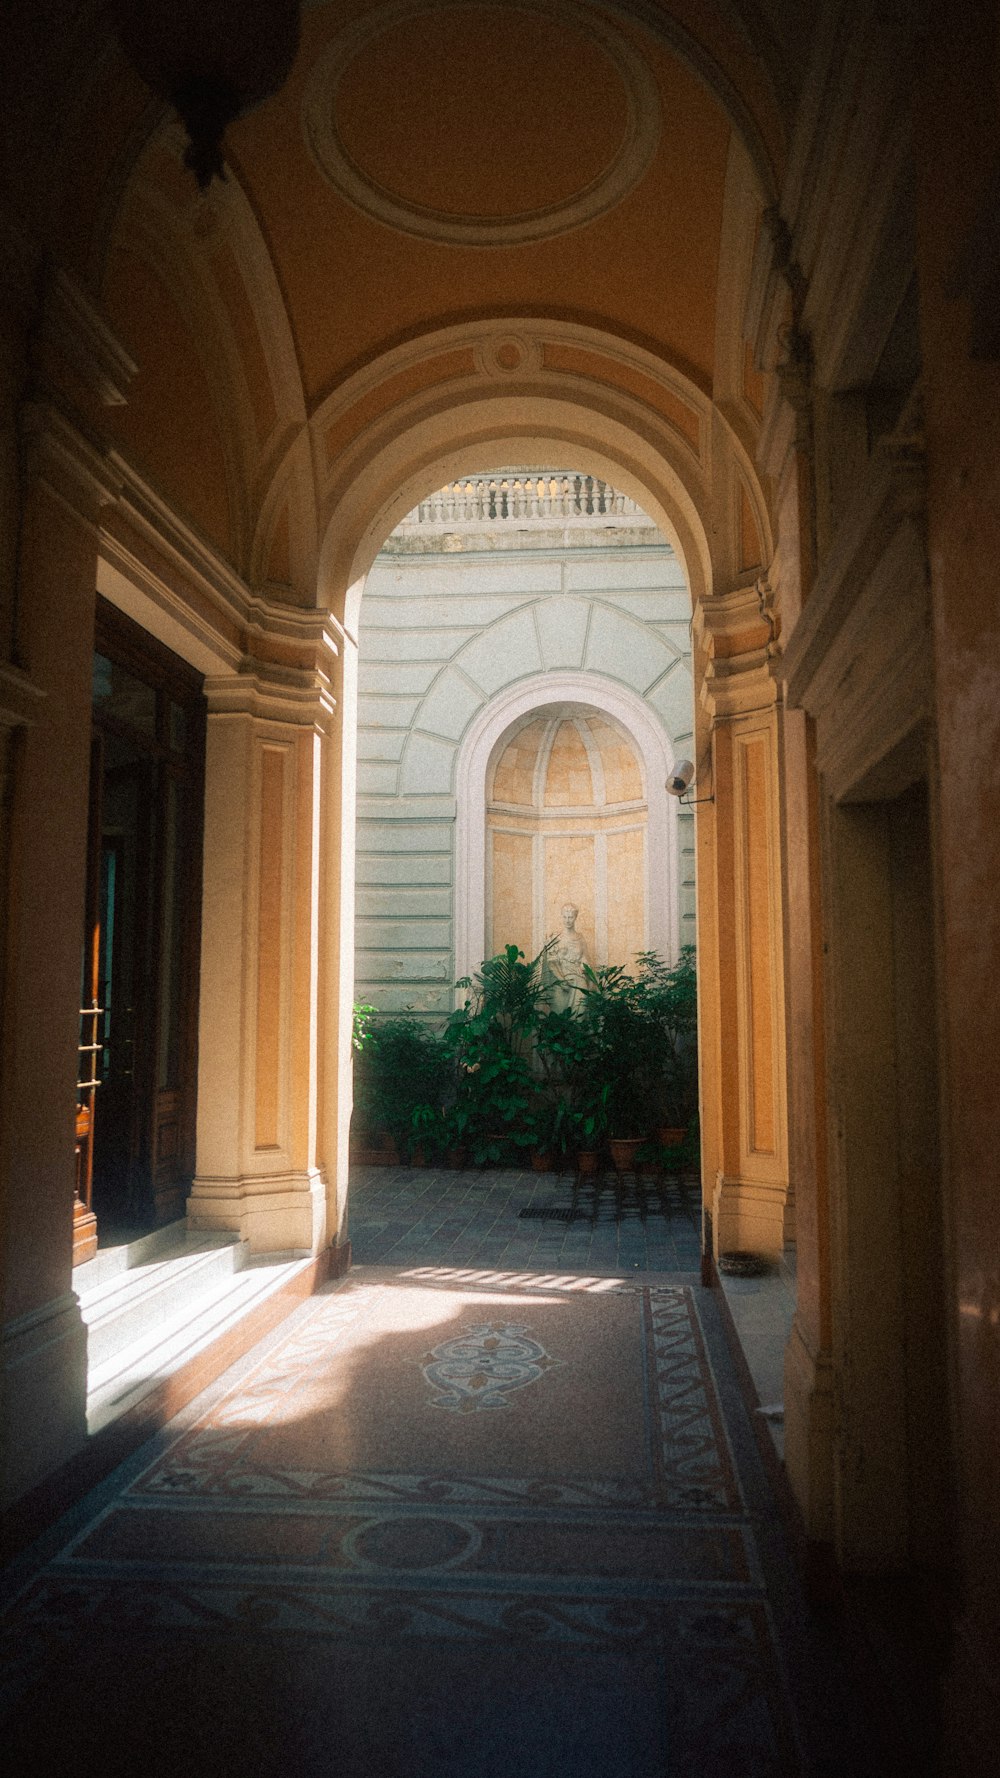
column 169, row 423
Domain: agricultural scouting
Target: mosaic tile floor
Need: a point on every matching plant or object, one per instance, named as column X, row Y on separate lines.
column 504, row 1525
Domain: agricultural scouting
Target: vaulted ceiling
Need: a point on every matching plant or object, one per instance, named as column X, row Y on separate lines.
column 423, row 165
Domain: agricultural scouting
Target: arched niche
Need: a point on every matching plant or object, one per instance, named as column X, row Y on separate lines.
column 482, row 747
column 566, row 819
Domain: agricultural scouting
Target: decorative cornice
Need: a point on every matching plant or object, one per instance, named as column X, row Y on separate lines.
column 271, row 694
column 893, row 492
column 309, row 625
column 76, row 470
column 274, row 639
column 72, row 332
column 211, row 649
column 730, row 623
column 734, row 632
column 739, row 687
column 287, row 670
column 151, row 516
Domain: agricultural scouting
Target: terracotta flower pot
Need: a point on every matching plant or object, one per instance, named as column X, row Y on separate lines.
column 383, row 1154
column 669, row 1136
column 542, row 1161
column 624, row 1150
column 457, row 1156
column 588, row 1161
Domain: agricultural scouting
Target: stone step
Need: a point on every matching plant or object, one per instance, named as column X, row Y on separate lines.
column 196, row 1331
column 165, row 1281
column 108, row 1262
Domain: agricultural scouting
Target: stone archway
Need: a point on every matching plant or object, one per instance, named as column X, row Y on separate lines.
column 684, row 467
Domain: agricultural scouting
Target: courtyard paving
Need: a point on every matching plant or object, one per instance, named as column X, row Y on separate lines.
column 408, row 1216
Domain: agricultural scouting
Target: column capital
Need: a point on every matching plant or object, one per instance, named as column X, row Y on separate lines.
column 287, row 670
column 736, row 635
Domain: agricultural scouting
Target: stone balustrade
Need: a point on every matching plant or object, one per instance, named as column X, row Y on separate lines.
column 520, row 496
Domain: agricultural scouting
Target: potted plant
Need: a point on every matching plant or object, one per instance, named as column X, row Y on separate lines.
column 549, row 1121
column 671, row 998
column 490, row 1043
column 425, row 1134
column 589, row 1122
column 402, row 1065
column 623, row 1045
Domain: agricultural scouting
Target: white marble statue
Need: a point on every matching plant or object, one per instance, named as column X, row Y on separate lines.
column 565, row 961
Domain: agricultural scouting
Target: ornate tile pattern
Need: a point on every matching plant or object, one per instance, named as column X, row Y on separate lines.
column 483, row 1365
column 584, row 1506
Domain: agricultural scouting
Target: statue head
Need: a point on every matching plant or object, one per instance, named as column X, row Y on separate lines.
column 569, row 914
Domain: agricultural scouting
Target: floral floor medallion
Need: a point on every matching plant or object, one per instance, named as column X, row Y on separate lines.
column 483, row 1365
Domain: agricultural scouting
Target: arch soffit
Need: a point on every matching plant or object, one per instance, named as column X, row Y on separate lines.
column 274, row 470
column 480, row 439
column 491, row 726
column 471, row 412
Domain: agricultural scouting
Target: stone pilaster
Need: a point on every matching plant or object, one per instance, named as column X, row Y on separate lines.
column 748, row 1193
column 268, row 789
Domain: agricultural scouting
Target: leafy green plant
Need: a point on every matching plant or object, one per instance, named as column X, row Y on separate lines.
column 623, row 1046
column 490, row 1040
column 509, row 1073
column 550, row 1122
column 401, row 1065
column 671, row 997
column 427, row 1130
column 361, row 1029
column 589, row 1117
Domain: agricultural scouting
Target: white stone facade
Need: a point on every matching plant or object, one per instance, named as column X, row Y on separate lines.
column 452, row 624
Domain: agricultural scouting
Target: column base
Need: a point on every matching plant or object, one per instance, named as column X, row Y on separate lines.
column 809, row 1434
column 748, row 1216
column 274, row 1212
column 43, row 1389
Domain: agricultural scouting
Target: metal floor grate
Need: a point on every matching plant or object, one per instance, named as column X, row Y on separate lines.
column 552, row 1213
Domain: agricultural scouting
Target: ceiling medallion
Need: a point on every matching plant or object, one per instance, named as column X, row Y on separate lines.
column 342, row 65
column 507, row 355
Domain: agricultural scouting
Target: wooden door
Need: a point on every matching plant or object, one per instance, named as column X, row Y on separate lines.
column 146, row 808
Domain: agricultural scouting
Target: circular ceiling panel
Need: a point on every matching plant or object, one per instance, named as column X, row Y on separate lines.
column 482, row 125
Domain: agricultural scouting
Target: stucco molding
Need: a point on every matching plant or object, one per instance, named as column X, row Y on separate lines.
column 859, row 659
column 623, row 172
column 475, row 755
column 733, row 632
column 79, row 474
column 72, row 329
column 146, row 596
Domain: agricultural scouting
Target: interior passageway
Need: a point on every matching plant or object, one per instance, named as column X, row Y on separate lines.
column 493, row 1504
